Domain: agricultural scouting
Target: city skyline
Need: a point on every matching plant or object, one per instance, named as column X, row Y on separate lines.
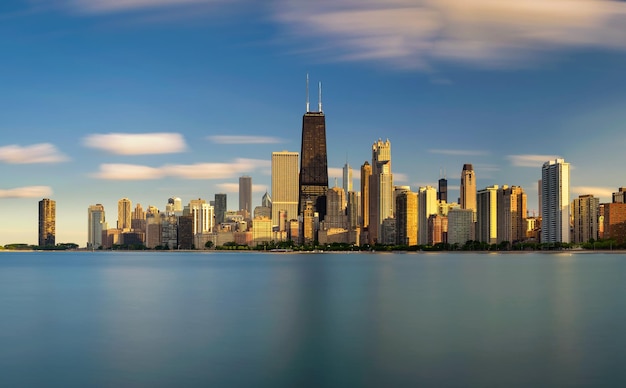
column 104, row 100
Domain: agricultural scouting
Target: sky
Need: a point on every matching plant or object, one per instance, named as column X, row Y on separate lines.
column 152, row 99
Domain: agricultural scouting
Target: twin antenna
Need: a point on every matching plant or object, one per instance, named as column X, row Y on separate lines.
column 319, row 96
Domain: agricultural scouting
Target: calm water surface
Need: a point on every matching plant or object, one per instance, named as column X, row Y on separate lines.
column 299, row 320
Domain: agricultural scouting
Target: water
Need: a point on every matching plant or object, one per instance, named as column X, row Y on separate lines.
column 299, row 320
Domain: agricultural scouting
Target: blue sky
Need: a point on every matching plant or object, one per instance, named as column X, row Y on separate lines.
column 148, row 99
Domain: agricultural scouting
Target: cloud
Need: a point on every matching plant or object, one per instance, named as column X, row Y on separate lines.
column 26, row 192
column 530, row 160
column 180, row 171
column 400, row 177
column 597, row 191
column 487, row 33
column 137, row 143
column 234, row 188
column 36, row 153
column 243, row 139
column 108, row 6
column 458, row 152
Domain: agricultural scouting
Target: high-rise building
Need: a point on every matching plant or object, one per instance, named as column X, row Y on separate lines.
column 313, row 160
column 487, row 215
column 202, row 215
column 96, row 223
column 437, row 229
column 381, row 188
column 442, row 193
column 138, row 219
column 220, row 208
column 47, row 222
column 406, row 218
column 555, row 223
column 460, row 226
column 585, row 215
column 615, row 222
column 245, row 194
column 620, row 195
column 124, row 214
column 511, row 214
column 284, row 185
column 468, row 188
column 427, row 206
column 335, row 212
column 347, row 178
column 353, row 210
column 366, row 173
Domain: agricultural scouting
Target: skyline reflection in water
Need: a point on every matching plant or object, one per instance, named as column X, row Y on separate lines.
column 252, row 319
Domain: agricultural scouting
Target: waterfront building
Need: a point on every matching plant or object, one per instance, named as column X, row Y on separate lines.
column 220, row 207
column 511, row 214
column 406, row 218
column 487, row 215
column 427, row 206
column 460, row 226
column 47, row 222
column 124, row 214
column 442, row 193
column 285, row 187
column 555, row 212
column 615, row 222
column 380, row 189
column 313, row 179
column 366, row 173
column 585, row 218
column 347, row 178
column 96, row 223
column 468, row 189
column 437, row 229
column 245, row 194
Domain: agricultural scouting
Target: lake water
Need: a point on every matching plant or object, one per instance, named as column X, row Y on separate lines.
column 312, row 320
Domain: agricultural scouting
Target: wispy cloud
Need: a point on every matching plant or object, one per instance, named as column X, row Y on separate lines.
column 137, row 143
column 36, row 153
column 597, row 191
column 234, row 188
column 456, row 152
column 399, row 177
column 26, row 192
column 180, row 171
column 489, row 33
column 244, row 139
column 108, row 6
column 530, row 160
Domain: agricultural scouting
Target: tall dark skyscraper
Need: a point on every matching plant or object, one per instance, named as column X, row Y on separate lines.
column 220, row 208
column 313, row 159
column 442, row 193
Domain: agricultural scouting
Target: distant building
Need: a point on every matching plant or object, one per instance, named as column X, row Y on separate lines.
column 427, row 206
column 366, row 173
column 487, row 215
column 460, row 226
column 380, row 189
column 47, row 222
column 220, row 208
column 261, row 230
column 437, row 229
column 406, row 218
column 245, row 193
column 442, row 193
column 615, row 222
column 619, row 196
column 347, row 178
column 468, row 188
column 285, row 187
column 511, row 214
column 585, row 217
column 124, row 214
column 96, row 223
column 555, row 212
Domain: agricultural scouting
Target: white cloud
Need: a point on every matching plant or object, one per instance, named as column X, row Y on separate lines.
column 414, row 33
column 36, row 153
column 458, row 152
column 26, row 192
column 243, row 139
column 106, row 6
column 400, row 177
column 234, row 188
column 137, row 143
column 597, row 191
column 530, row 160
column 180, row 171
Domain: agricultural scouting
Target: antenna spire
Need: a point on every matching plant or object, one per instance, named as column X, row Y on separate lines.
column 307, row 93
column 319, row 98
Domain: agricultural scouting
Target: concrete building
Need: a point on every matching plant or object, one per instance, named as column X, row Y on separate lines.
column 245, row 194
column 460, row 226
column 467, row 199
column 555, row 212
column 585, row 218
column 406, row 218
column 615, row 222
column 220, row 207
column 366, row 173
column 380, row 189
column 511, row 214
column 437, row 229
column 347, row 178
column 124, row 214
column 96, row 223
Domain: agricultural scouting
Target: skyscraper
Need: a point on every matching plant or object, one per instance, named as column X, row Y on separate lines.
column 347, row 178
column 468, row 188
column 313, row 160
column 555, row 223
column 245, row 194
column 381, row 188
column 284, row 185
column 47, row 222
column 406, row 218
column 511, row 214
column 585, row 215
column 124, row 214
column 366, row 173
column 427, row 206
column 220, row 207
column 96, row 223
column 442, row 193
column 487, row 215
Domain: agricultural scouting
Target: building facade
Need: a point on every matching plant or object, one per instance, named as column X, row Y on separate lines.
column 380, row 189
column 245, row 194
column 487, row 215
column 285, row 189
column 124, row 214
column 96, row 223
column 555, row 211
column 468, row 189
column 47, row 222
column 585, row 218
